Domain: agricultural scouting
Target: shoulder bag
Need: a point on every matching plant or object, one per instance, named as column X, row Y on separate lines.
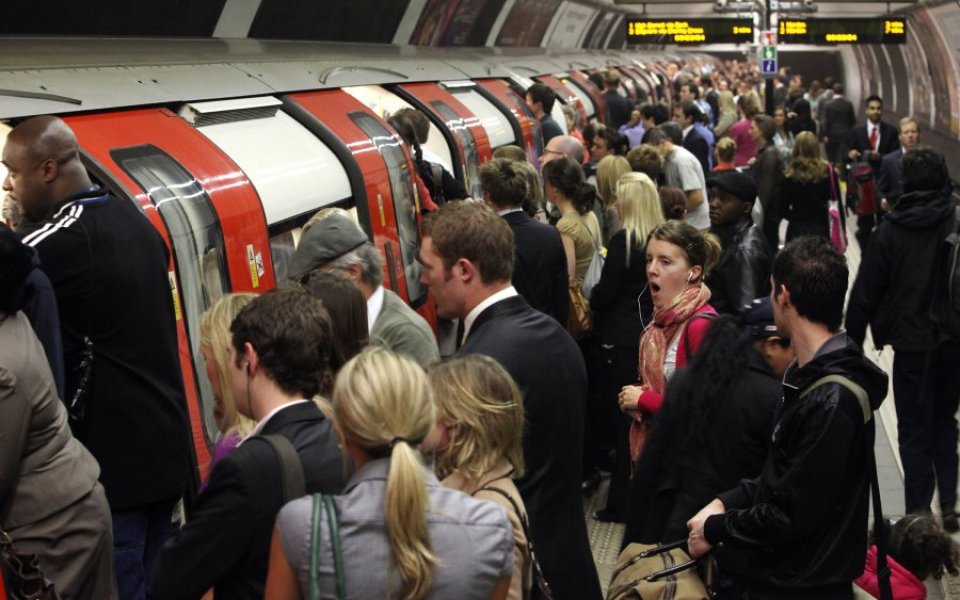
column 323, row 503
column 838, row 237
column 648, row 572
column 20, row 574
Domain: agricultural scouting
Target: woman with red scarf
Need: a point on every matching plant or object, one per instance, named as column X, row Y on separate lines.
column 679, row 257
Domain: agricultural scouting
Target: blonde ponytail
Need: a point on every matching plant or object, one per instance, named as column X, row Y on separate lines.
column 384, row 404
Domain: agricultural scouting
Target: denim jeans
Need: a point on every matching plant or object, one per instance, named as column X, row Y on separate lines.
column 138, row 536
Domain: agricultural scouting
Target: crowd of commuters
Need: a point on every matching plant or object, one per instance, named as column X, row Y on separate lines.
column 351, row 460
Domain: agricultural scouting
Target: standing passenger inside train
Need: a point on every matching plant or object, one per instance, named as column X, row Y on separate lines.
column 540, row 99
column 398, row 532
column 467, row 256
column 336, row 243
column 280, row 358
column 443, row 186
column 54, row 507
column 621, row 305
column 540, row 264
column 478, row 444
column 215, row 347
column 109, row 270
column 743, row 271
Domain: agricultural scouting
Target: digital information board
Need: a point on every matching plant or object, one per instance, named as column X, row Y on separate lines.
column 689, row 31
column 880, row 30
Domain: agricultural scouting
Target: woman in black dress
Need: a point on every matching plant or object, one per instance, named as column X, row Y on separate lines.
column 806, row 190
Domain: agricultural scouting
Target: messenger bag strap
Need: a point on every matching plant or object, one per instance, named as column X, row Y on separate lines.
column 290, row 466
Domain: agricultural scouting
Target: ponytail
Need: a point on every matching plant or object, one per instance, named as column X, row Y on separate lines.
column 404, row 512
column 584, row 197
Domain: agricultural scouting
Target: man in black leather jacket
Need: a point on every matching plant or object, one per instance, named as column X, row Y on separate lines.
column 802, row 523
column 743, row 271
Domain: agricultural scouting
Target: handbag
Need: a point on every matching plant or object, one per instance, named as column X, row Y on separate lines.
column 592, row 277
column 651, row 572
column 323, row 503
column 579, row 319
column 838, row 236
column 538, row 576
column 20, row 574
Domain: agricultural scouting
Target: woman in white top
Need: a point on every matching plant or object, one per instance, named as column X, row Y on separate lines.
column 401, row 534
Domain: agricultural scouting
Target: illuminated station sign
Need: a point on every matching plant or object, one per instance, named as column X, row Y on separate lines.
column 689, row 31
column 842, row 31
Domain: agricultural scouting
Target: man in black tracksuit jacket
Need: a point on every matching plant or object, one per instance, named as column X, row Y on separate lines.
column 802, row 523
column 898, row 278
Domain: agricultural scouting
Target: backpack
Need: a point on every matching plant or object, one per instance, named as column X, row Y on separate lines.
column 945, row 308
column 436, row 183
column 865, row 189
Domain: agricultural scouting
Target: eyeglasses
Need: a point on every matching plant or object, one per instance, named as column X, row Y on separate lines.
column 549, row 151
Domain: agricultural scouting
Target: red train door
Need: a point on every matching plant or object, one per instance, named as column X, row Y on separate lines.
column 209, row 215
column 581, row 79
column 468, row 134
column 386, row 170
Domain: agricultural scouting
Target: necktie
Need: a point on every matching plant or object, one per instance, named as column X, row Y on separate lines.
column 874, row 138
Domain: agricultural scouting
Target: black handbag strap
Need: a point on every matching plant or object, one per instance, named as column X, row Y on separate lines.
column 290, row 466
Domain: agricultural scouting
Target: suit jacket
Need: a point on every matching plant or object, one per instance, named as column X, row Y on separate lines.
column 697, row 145
column 618, row 109
column 225, row 544
column 619, row 302
column 399, row 328
column 539, row 265
column 549, row 370
column 888, row 179
column 838, row 117
column 858, row 140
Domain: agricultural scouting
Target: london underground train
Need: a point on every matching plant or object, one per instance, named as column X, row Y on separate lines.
column 230, row 146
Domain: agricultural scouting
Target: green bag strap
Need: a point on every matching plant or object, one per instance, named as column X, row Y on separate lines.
column 855, row 389
column 324, row 502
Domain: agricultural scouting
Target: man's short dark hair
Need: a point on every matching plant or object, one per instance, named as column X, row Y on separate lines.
column 816, row 276
column 672, row 131
column 658, row 112
column 504, row 182
column 694, row 89
column 293, row 337
column 541, row 92
column 471, row 230
column 766, row 125
column 691, row 110
column 874, row 98
column 612, row 138
column 923, row 170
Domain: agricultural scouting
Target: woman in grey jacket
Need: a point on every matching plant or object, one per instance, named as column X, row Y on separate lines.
column 51, row 503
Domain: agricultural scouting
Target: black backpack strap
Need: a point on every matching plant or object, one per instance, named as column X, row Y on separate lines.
column 290, row 466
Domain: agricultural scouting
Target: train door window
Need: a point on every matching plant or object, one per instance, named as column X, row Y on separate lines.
column 557, row 114
column 8, row 210
column 585, row 98
column 198, row 247
column 493, row 121
column 293, row 172
column 384, row 103
column 460, row 129
column 404, row 206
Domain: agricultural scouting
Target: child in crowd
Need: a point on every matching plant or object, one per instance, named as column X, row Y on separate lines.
column 918, row 548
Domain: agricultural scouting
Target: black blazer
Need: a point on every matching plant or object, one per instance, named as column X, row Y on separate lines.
column 838, row 117
column 225, row 544
column 888, row 179
column 697, row 145
column 858, row 140
column 539, row 265
column 549, row 370
column 620, row 302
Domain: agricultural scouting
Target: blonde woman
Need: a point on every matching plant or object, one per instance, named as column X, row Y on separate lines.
column 215, row 343
column 609, row 171
column 478, row 443
column 402, row 535
column 621, row 308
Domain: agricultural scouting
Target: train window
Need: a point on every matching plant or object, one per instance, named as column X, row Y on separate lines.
column 293, row 172
column 493, row 121
column 404, row 206
column 459, row 128
column 384, row 103
column 588, row 105
column 557, row 114
column 198, row 247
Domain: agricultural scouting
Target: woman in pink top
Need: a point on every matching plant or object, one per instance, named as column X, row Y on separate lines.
column 740, row 131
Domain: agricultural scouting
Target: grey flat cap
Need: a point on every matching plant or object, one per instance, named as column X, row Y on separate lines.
column 327, row 239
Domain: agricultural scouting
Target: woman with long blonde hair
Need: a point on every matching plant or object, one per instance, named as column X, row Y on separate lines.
column 402, row 535
column 807, row 188
column 478, row 443
column 609, row 171
column 215, row 343
column 621, row 307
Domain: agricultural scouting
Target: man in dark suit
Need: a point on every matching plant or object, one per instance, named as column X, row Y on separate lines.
column 688, row 115
column 280, row 357
column 539, row 262
column 869, row 142
column 618, row 107
column 888, row 180
column 837, row 119
column 467, row 256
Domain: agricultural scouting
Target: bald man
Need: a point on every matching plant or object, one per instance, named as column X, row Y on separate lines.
column 124, row 391
column 562, row 145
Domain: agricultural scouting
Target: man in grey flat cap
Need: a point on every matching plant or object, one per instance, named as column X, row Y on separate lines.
column 336, row 243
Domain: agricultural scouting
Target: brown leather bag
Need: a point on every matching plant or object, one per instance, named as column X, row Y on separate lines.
column 579, row 319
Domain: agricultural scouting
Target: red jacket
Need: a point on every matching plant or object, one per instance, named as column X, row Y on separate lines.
column 904, row 584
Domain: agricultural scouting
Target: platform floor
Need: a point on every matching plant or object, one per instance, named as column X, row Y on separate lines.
column 605, row 538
